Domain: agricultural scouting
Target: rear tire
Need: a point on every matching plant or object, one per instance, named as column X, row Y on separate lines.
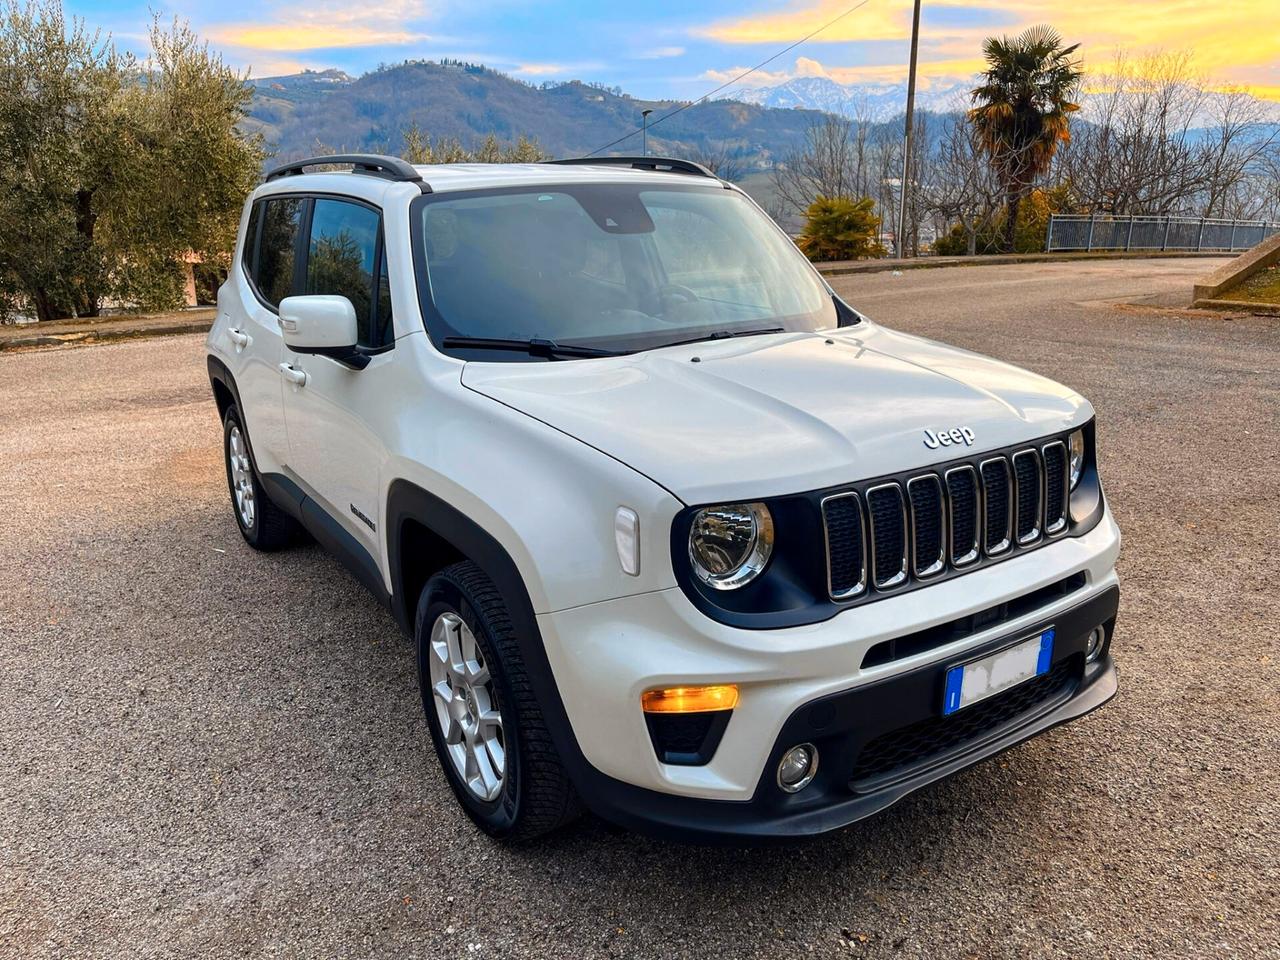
column 263, row 525
column 497, row 753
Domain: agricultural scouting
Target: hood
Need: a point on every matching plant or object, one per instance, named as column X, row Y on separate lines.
column 784, row 413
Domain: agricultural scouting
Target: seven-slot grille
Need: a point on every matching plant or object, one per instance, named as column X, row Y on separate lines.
column 894, row 532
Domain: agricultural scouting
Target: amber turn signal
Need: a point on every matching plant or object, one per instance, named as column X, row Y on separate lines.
column 690, row 699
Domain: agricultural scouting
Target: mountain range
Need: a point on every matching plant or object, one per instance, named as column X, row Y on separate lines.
column 306, row 113
column 873, row 102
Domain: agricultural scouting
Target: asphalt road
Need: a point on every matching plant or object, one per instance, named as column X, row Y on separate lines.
column 209, row 752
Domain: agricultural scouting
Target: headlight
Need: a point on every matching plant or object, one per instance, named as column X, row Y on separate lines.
column 1075, row 444
column 729, row 545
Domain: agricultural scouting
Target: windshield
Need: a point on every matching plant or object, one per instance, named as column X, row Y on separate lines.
column 618, row 267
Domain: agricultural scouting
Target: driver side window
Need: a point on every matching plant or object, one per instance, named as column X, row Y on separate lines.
column 344, row 256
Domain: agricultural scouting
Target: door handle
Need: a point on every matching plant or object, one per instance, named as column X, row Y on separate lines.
column 239, row 338
column 295, row 376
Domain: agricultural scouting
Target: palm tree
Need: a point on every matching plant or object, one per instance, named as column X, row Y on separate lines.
column 1021, row 109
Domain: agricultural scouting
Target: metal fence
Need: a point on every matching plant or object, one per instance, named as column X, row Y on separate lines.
column 1080, row 232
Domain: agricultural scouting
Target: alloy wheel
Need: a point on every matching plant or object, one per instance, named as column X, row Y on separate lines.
column 241, row 476
column 466, row 708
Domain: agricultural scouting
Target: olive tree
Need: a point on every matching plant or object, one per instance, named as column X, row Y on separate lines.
column 112, row 169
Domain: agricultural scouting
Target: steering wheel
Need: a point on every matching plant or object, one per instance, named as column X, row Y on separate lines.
column 674, row 295
column 683, row 293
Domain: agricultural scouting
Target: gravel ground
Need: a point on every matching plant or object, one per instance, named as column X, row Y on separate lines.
column 210, row 752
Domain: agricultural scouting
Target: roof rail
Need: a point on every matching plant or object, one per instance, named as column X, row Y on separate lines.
column 368, row 164
column 664, row 164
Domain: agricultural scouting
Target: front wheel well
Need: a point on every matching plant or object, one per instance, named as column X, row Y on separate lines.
column 423, row 553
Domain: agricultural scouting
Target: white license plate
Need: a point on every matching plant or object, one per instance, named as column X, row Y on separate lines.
column 971, row 682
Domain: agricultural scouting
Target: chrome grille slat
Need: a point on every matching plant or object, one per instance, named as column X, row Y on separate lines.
column 1056, row 487
column 965, row 527
column 887, row 522
column 929, row 523
column 844, row 529
column 1029, row 497
column 997, row 506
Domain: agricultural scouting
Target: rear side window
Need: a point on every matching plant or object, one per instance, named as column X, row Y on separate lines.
column 250, row 255
column 277, row 246
column 343, row 258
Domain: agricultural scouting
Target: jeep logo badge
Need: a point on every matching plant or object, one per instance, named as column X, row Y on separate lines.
column 945, row 438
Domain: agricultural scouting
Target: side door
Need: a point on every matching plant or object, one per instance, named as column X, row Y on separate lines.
column 334, row 447
column 268, row 261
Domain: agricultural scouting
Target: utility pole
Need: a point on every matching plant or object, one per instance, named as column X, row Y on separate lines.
column 644, row 114
column 901, row 237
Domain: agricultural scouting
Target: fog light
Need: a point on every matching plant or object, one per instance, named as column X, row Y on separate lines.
column 1093, row 646
column 797, row 768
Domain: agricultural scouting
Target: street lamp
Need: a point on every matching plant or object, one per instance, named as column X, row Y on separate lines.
column 644, row 136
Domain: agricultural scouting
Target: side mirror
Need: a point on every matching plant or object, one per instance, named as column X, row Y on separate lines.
column 323, row 325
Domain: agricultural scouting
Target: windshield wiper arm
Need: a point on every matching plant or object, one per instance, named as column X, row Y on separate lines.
column 535, row 347
column 723, row 335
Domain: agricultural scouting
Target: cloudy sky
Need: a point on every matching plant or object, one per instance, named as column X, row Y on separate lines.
column 681, row 49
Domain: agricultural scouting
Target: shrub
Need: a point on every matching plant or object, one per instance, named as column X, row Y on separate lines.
column 841, row 228
column 1029, row 235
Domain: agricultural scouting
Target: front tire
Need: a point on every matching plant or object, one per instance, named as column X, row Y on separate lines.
column 484, row 718
column 263, row 525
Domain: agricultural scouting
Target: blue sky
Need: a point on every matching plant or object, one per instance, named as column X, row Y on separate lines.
column 681, row 49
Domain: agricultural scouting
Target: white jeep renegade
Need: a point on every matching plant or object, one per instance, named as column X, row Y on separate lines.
column 679, row 536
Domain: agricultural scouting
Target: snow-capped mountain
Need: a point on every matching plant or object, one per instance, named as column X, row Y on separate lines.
column 868, row 101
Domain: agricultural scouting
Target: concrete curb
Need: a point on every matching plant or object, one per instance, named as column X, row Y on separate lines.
column 839, row 268
column 1239, row 270
column 1237, row 306
column 99, row 335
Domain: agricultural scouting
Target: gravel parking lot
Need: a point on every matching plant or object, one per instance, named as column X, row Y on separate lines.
column 209, row 752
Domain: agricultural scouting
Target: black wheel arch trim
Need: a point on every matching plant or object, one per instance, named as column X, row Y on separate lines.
column 219, row 374
column 408, row 502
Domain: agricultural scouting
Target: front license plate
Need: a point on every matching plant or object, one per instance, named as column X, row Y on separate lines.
column 971, row 682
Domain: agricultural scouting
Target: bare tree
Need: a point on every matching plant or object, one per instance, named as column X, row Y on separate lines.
column 823, row 166
column 1156, row 138
column 1237, row 145
column 886, row 169
column 921, row 171
column 964, row 188
column 721, row 158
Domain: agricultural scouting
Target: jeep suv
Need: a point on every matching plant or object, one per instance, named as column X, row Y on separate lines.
column 679, row 537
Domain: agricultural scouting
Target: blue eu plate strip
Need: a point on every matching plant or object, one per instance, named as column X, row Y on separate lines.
column 955, row 676
column 1046, row 652
column 951, row 701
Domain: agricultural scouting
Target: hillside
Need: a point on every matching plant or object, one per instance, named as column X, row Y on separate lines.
column 297, row 114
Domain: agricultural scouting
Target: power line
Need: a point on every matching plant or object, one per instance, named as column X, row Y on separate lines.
column 741, row 76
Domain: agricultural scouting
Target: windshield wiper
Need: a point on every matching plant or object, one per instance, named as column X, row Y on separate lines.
column 535, row 347
column 723, row 335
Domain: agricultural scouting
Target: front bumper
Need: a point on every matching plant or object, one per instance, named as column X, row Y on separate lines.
column 848, row 726
column 806, row 684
